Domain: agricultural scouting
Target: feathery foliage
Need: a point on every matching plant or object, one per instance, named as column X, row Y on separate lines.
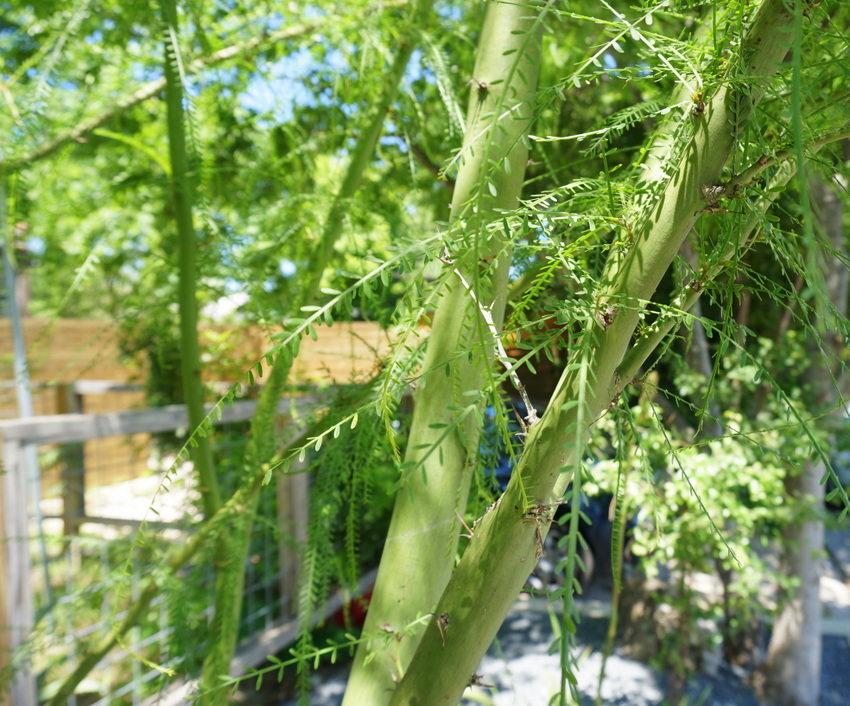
column 643, row 202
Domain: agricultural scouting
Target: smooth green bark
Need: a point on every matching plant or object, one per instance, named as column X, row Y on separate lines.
column 422, row 539
column 502, row 551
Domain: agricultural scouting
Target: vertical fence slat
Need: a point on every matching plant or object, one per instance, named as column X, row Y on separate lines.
column 292, row 509
column 16, row 608
column 72, row 463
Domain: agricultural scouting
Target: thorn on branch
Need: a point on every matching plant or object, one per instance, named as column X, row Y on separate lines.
column 466, row 526
column 639, row 383
column 443, row 621
column 475, row 680
column 607, row 315
column 491, row 507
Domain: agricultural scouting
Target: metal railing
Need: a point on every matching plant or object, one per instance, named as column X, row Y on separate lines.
column 86, row 513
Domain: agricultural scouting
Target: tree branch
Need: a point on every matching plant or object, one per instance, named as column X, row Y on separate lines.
column 430, row 165
column 207, row 531
column 751, row 173
column 502, row 552
column 152, row 88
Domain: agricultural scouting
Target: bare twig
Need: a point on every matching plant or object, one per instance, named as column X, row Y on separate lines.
column 466, row 526
column 749, row 175
column 501, row 353
column 429, row 164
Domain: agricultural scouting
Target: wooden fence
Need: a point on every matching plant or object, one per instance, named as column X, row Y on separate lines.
column 67, row 350
column 20, row 441
column 61, row 355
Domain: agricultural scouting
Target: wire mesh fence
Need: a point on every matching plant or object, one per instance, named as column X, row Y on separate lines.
column 101, row 522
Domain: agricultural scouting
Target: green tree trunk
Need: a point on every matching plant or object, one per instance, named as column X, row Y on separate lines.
column 503, row 549
column 422, row 539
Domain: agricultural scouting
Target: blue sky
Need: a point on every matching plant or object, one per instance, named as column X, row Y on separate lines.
column 284, row 85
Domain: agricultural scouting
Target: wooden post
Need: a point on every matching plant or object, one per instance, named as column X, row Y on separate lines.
column 72, row 464
column 292, row 511
column 16, row 604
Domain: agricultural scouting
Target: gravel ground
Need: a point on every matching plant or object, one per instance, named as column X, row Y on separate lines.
column 526, row 675
column 523, row 672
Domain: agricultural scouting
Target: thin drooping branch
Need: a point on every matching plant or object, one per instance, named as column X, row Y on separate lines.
column 230, row 579
column 181, row 557
column 749, row 175
column 501, row 354
column 187, row 245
